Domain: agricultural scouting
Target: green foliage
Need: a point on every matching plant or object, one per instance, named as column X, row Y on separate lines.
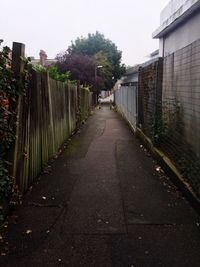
column 38, row 68
column 104, row 52
column 81, row 67
column 11, row 86
column 54, row 74
column 87, row 88
column 6, row 185
column 52, row 71
column 161, row 130
column 106, row 70
column 169, row 135
column 168, row 121
column 72, row 82
column 8, row 95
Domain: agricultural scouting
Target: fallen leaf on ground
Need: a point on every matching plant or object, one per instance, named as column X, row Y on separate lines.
column 158, row 169
column 28, row 232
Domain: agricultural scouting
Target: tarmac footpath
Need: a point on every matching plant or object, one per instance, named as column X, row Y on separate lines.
column 104, row 203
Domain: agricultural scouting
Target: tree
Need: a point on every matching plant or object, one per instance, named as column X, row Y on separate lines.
column 94, row 50
column 106, row 70
column 81, row 67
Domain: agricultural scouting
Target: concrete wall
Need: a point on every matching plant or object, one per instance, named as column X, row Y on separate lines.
column 181, row 78
column 185, row 34
column 174, row 9
column 176, row 12
column 179, row 25
column 181, row 92
column 179, row 127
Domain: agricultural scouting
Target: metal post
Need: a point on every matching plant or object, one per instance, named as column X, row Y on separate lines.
column 95, row 80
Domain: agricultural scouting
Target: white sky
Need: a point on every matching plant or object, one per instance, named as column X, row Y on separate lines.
column 52, row 24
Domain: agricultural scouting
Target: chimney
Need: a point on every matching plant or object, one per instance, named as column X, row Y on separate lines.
column 43, row 57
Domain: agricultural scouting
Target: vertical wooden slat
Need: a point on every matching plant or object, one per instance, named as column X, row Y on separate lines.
column 47, row 116
column 18, row 51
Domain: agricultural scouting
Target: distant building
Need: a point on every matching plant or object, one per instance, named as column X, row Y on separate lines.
column 154, row 54
column 130, row 77
column 43, row 57
column 43, row 60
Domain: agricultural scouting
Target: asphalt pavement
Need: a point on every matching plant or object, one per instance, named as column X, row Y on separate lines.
column 103, row 202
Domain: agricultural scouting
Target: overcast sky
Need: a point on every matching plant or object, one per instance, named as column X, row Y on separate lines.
column 52, row 24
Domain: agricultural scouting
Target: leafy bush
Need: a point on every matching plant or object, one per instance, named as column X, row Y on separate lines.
column 54, row 74
column 52, row 71
column 10, row 89
column 37, row 68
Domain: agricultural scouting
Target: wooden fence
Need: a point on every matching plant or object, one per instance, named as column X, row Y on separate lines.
column 47, row 116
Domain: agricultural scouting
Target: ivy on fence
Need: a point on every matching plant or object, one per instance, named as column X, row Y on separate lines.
column 10, row 89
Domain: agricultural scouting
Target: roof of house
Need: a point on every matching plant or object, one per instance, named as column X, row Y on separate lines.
column 48, row 62
column 131, row 75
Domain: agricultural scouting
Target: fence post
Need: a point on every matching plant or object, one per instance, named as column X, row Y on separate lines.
column 18, row 51
column 78, row 104
column 158, row 97
column 140, row 119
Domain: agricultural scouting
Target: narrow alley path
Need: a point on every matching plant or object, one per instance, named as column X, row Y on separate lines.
column 103, row 204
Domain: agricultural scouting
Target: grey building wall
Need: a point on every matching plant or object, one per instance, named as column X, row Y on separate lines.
column 180, row 47
column 174, row 10
column 185, row 34
column 179, row 25
column 181, row 94
column 179, row 37
column 181, row 111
